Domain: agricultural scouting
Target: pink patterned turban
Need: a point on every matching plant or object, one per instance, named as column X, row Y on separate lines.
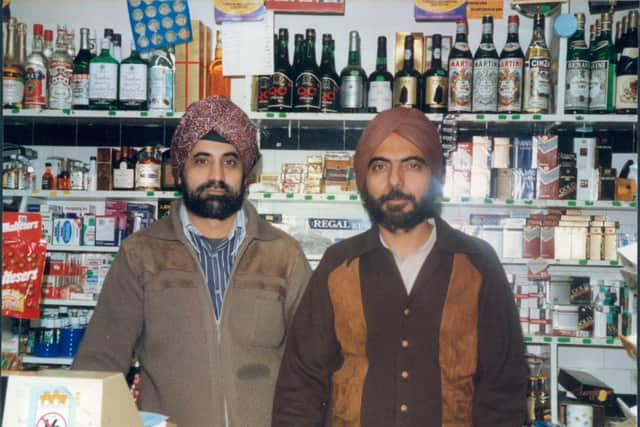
column 220, row 115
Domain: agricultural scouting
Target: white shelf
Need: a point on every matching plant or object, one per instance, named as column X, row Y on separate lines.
column 90, row 114
column 563, row 262
column 69, row 302
column 92, row 195
column 295, row 197
column 47, row 360
column 572, row 341
column 93, row 249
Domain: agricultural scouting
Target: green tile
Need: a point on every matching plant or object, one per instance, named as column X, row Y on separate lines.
column 586, row 341
column 537, row 117
column 548, row 339
column 266, row 196
column 488, row 201
column 308, row 197
column 289, row 196
column 331, row 197
column 564, row 339
column 151, row 193
column 502, row 117
column 509, row 201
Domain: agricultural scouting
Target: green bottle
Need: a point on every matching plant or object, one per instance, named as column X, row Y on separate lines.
column 353, row 89
column 103, row 80
column 603, row 71
column 132, row 94
column 576, row 99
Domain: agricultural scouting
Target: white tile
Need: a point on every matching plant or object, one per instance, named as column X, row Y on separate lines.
column 581, row 357
column 617, row 358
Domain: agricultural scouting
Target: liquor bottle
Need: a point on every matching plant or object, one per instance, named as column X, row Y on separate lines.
column 263, row 83
column 619, row 34
column 48, row 180
column 460, row 71
column 329, row 79
column 380, row 91
column 281, row 93
column 353, row 87
column 103, row 80
column 160, row 79
column 603, row 71
column 48, row 45
column 306, row 96
column 116, row 47
column 299, row 48
column 22, row 44
column 123, row 171
column 537, row 71
column 70, row 41
column 627, row 70
column 12, row 70
column 108, row 34
column 592, row 39
column 576, row 98
column 510, row 71
column 485, row 71
column 168, row 182
column 435, row 80
column 132, row 94
column 218, row 83
column 60, row 73
column 148, row 175
column 80, row 77
column 407, row 87
column 35, row 86
column 93, row 43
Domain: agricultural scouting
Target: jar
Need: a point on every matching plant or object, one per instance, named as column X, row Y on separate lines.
column 148, row 170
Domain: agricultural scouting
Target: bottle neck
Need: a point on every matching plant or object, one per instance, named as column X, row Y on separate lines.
column 487, row 33
column 11, row 45
column 310, row 54
column 84, row 42
column 325, row 61
column 37, row 45
column 381, row 56
column 436, row 61
column 538, row 35
column 60, row 42
column 512, row 37
column 408, row 59
column 283, row 51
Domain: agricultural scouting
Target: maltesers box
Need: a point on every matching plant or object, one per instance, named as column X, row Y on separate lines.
column 418, row 51
column 191, row 72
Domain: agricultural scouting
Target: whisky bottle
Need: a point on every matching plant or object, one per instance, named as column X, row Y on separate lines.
column 35, row 86
column 537, row 71
column 219, row 84
column 576, row 98
column 627, row 70
column 12, row 70
column 123, row 171
column 407, row 88
column 485, row 71
column 329, row 79
column 148, row 170
column 603, row 71
column 80, row 76
column 103, row 80
column 380, row 93
column 132, row 93
column 510, row 71
column 306, row 97
column 60, row 73
column 353, row 88
column 460, row 71
column 281, row 93
column 435, row 80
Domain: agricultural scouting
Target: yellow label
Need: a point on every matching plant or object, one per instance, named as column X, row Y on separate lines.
column 238, row 7
column 53, row 194
column 405, row 91
column 478, row 8
column 439, row 6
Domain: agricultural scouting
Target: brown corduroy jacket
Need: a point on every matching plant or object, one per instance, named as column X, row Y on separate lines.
column 155, row 301
column 363, row 353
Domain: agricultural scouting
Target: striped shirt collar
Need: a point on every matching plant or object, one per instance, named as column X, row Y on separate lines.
column 238, row 232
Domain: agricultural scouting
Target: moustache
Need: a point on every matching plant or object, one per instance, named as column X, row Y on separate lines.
column 213, row 184
column 396, row 195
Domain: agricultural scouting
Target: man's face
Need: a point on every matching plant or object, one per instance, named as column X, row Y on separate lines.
column 212, row 181
column 400, row 191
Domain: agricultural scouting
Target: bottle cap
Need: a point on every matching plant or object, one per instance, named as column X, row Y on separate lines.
column 37, row 29
column 565, row 25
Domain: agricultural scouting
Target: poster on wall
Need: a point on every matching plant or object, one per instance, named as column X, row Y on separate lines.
column 156, row 24
column 239, row 10
column 476, row 9
column 440, row 10
column 306, row 6
column 23, row 257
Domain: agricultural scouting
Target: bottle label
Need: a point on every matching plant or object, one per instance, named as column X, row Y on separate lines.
column 103, row 81
column 148, row 175
column 60, row 73
column 35, row 87
column 329, row 95
column 487, row 46
column 123, row 178
column 12, row 90
column 627, row 92
column 577, row 93
column 352, row 92
column 629, row 52
column 281, row 94
column 436, row 92
column 133, row 82
column 510, row 84
column 77, row 180
column 598, row 86
column 462, row 46
column 307, row 95
column 537, row 84
column 512, row 28
column 485, row 84
column 511, row 47
column 160, row 89
column 80, row 89
column 263, row 87
column 405, row 91
column 460, row 75
column 380, row 96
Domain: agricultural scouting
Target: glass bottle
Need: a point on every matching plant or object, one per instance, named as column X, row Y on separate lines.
column 116, row 47
column 621, row 28
column 103, row 80
column 108, row 34
column 299, row 49
column 80, row 76
column 93, row 43
column 48, row 180
column 35, row 87
column 485, row 71
column 263, row 83
column 576, row 99
column 148, row 170
column 124, row 171
column 132, row 93
column 627, row 70
column 353, row 87
column 306, row 96
column 435, row 80
column 329, row 79
column 60, row 73
column 603, row 71
column 63, row 180
column 70, row 39
column 460, row 71
column 219, row 84
column 12, row 70
column 22, row 44
column 380, row 90
column 407, row 87
column 48, row 45
column 537, row 71
column 168, row 182
column 281, row 93
column 510, row 71
column 161, row 89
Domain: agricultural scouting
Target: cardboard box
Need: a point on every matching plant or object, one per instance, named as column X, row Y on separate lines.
column 502, row 183
column 531, row 247
column 585, row 149
column 548, row 183
column 481, row 152
column 501, row 153
column 418, row 51
column 191, row 67
column 546, row 151
column 607, row 187
column 587, row 188
column 480, row 183
column 568, row 183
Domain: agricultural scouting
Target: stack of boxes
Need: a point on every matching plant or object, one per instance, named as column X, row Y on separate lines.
column 192, row 60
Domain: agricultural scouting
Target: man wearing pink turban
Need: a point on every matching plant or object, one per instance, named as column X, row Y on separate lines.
column 204, row 296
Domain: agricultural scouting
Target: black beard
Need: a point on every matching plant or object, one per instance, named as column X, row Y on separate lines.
column 212, row 206
column 395, row 219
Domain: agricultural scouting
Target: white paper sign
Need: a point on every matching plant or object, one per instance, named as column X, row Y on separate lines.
column 248, row 47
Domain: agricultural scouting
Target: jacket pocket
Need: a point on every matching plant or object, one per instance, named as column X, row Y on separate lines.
column 170, row 279
column 347, row 389
column 260, row 319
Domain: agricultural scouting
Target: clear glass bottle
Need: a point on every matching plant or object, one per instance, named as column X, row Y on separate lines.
column 353, row 79
column 60, row 73
column 329, row 79
column 93, row 43
column 460, row 71
column 35, row 88
column 537, row 71
column 407, row 85
column 80, row 77
column 12, row 71
column 219, row 84
column 435, row 80
column 133, row 82
column 603, row 71
column 103, row 80
column 576, row 99
column 48, row 45
column 161, row 89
